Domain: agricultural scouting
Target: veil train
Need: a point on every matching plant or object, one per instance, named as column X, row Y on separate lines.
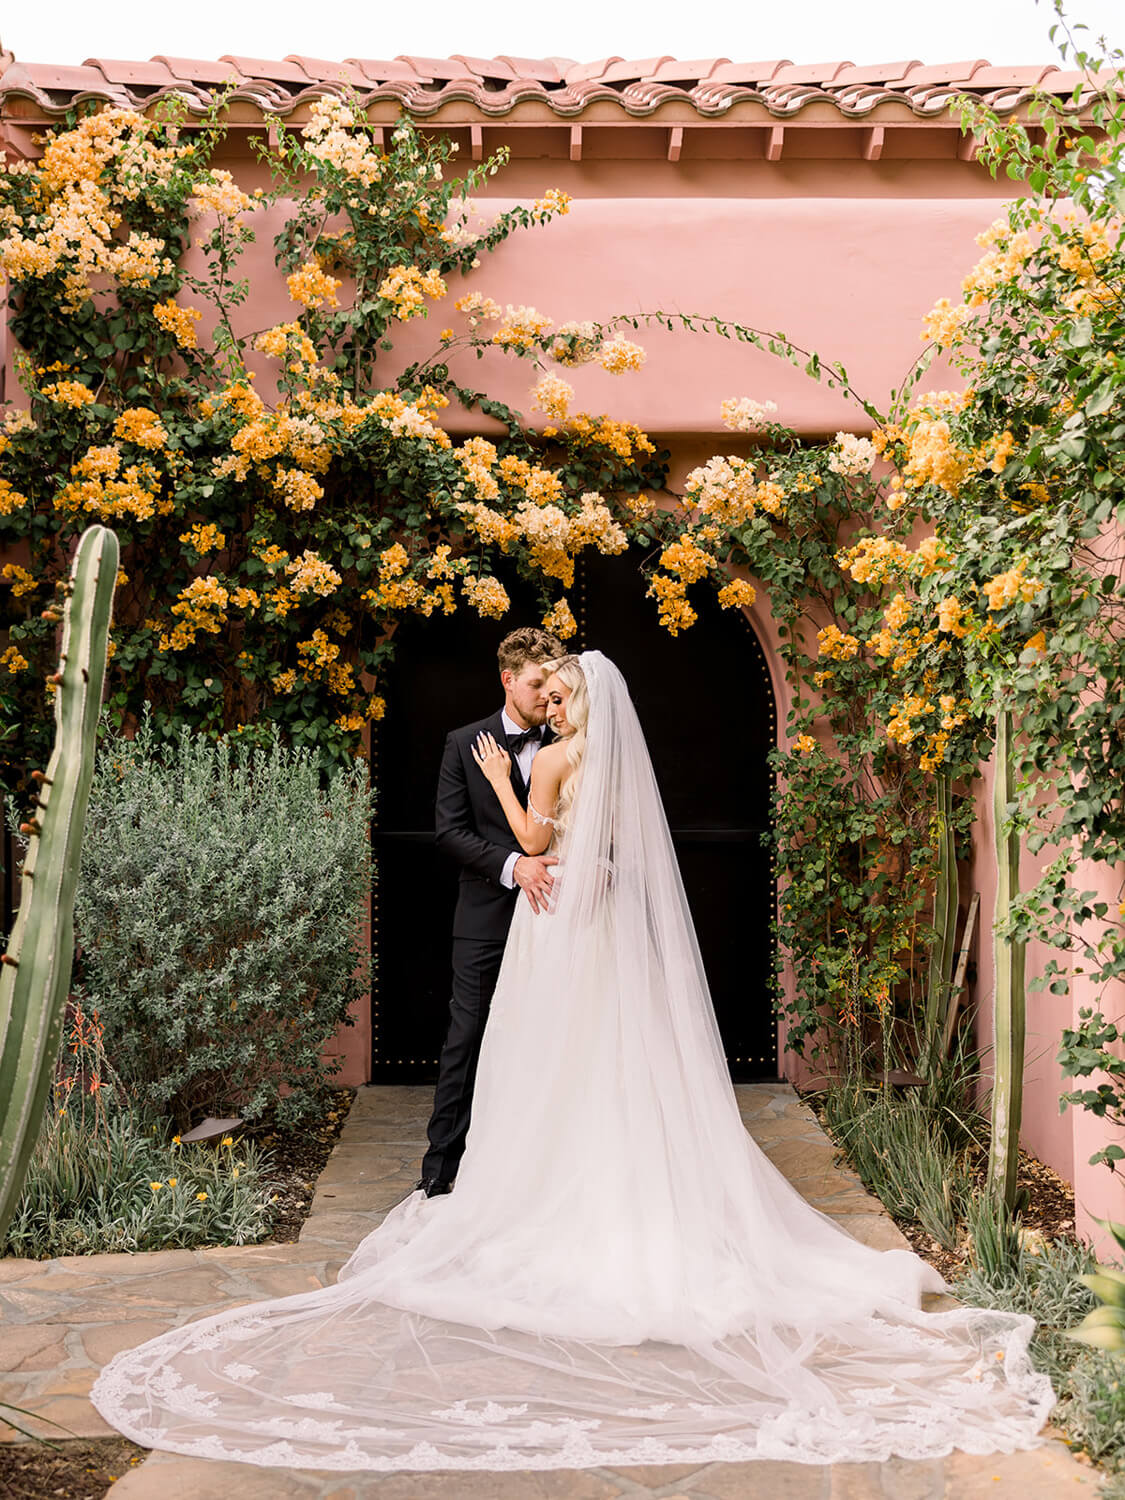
column 620, row 1275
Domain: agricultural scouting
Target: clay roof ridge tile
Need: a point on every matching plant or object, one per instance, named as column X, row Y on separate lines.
column 439, row 69
column 631, row 70
column 486, row 67
column 749, row 73
column 586, row 72
column 951, row 72
column 810, row 73
column 1019, row 77
column 129, row 73
column 196, row 69
column 545, row 69
column 17, row 80
column 681, row 70
column 382, row 70
column 325, row 70
column 273, row 70
column 888, row 73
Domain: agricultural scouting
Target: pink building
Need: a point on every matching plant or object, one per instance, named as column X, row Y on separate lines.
column 833, row 202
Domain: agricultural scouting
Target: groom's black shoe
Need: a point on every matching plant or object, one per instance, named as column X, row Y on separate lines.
column 433, row 1187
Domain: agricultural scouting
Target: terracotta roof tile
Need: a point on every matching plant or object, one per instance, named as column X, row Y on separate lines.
column 440, row 69
column 684, row 74
column 885, row 73
column 324, row 71
column 585, row 72
column 626, row 70
column 271, row 70
column 637, row 87
column 152, row 74
column 1061, row 82
column 487, row 67
column 545, row 70
column 809, row 73
column 380, row 70
column 748, row 72
column 957, row 72
column 71, row 80
column 199, row 69
column 1004, row 78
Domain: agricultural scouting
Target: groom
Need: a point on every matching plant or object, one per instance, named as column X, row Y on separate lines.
column 471, row 827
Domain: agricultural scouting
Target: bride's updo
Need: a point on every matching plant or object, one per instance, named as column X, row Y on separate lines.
column 568, row 669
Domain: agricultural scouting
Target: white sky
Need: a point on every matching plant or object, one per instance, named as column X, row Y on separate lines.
column 864, row 31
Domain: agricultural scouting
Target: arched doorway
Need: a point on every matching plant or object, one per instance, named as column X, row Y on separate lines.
column 706, row 702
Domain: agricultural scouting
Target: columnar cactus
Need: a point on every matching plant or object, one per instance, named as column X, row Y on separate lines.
column 1010, row 1000
column 35, row 969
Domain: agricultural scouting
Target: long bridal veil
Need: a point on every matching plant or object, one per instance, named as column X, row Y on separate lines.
column 619, row 1276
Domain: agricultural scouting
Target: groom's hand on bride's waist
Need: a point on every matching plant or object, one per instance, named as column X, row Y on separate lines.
column 532, row 873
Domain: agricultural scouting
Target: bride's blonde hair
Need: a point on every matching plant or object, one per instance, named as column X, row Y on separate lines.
column 568, row 669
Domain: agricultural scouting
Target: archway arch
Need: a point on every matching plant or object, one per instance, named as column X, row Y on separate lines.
column 707, row 704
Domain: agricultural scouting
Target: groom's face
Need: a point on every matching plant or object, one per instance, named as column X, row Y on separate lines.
column 524, row 695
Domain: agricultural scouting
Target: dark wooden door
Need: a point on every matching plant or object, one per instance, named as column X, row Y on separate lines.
column 707, row 707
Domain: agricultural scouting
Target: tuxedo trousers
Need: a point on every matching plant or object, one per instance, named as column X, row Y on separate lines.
column 476, row 967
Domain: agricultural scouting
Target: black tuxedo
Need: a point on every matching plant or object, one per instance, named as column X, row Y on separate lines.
column 470, row 826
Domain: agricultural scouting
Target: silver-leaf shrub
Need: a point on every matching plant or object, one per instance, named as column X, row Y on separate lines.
column 218, row 918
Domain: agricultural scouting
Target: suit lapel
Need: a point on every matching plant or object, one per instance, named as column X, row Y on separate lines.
column 500, row 734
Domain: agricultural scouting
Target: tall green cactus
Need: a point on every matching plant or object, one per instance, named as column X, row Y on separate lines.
column 1010, row 999
column 35, row 970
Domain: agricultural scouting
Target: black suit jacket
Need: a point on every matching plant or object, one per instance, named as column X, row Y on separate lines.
column 471, row 828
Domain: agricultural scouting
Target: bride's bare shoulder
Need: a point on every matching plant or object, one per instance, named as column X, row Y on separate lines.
column 550, row 761
column 552, row 754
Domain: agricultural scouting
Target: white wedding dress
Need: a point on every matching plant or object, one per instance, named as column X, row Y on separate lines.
column 620, row 1276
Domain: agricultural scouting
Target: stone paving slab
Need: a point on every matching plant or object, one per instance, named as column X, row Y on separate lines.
column 63, row 1319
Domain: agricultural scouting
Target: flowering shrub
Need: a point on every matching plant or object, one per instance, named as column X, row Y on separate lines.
column 272, row 539
column 979, row 574
column 853, row 813
column 1019, row 603
column 217, row 919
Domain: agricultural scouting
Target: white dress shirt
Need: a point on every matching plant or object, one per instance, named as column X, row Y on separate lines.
column 523, row 760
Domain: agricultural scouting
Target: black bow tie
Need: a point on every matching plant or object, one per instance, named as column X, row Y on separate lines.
column 516, row 742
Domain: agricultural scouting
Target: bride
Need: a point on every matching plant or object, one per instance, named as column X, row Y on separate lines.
column 620, row 1275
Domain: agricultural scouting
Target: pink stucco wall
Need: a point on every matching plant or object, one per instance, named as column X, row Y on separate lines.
column 1064, row 1141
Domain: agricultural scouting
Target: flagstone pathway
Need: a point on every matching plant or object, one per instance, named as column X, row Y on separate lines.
column 61, row 1320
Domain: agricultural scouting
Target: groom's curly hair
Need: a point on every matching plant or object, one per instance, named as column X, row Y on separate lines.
column 528, row 643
